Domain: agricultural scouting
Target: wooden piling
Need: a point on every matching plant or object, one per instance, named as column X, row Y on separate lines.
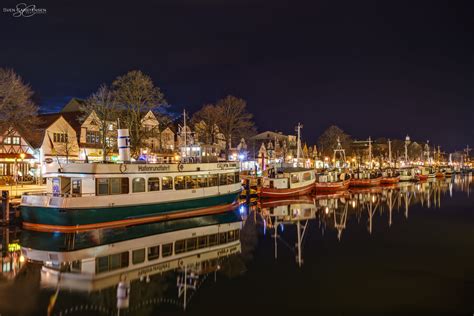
column 5, row 207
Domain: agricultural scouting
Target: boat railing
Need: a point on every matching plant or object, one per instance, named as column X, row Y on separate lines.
column 58, row 194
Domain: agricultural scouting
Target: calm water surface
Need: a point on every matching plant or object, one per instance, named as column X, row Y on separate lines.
column 407, row 249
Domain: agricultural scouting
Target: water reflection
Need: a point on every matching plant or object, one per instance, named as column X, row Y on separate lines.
column 333, row 210
column 142, row 269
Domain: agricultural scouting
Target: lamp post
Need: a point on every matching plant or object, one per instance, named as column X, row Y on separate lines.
column 22, row 156
column 407, row 142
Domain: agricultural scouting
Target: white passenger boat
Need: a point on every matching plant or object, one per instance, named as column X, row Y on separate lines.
column 93, row 195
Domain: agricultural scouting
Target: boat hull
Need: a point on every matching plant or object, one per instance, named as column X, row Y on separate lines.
column 422, row 177
column 365, row 182
column 54, row 216
column 390, row 180
column 280, row 193
column 332, row 186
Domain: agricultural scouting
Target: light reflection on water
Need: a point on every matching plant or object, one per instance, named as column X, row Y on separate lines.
column 294, row 240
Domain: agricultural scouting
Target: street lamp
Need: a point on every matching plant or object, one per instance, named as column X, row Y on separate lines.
column 22, row 156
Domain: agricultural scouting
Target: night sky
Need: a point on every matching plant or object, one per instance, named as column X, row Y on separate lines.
column 374, row 68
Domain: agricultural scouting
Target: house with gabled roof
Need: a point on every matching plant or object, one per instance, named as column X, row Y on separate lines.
column 17, row 157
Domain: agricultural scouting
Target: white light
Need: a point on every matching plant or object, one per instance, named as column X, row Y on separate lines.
column 327, row 210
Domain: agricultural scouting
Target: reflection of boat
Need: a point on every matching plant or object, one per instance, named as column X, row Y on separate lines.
column 288, row 182
column 365, row 179
column 90, row 193
column 290, row 209
column 100, row 259
column 332, row 181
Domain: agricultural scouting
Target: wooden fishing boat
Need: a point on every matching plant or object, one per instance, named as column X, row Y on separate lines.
column 365, row 179
column 439, row 174
column 407, row 174
column 286, row 182
column 390, row 176
column 332, row 181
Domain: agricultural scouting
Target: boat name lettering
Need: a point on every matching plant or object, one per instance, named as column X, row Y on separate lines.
column 226, row 165
column 227, row 251
column 154, row 168
column 155, row 268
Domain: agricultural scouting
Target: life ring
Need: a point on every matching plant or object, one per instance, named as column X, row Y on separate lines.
column 180, row 263
column 123, row 168
column 180, row 166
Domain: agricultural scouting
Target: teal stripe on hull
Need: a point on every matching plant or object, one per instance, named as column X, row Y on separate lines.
column 71, row 217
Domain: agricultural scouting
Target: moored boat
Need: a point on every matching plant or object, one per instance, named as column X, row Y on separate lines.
column 407, row 174
column 88, row 195
column 365, row 179
column 331, row 181
column 390, row 176
column 290, row 181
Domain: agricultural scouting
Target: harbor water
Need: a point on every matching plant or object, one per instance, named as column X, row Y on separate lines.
column 393, row 250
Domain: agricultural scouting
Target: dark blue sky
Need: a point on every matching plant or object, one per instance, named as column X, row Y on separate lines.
column 374, row 68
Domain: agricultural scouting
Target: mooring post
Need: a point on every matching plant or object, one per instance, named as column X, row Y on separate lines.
column 5, row 207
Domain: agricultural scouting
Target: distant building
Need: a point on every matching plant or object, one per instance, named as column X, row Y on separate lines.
column 17, row 157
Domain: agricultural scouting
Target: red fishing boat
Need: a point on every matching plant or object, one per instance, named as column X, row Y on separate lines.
column 332, row 181
column 288, row 182
column 390, row 176
column 365, row 179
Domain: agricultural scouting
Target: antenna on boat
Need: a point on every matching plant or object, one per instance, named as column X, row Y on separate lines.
column 339, row 150
column 370, row 153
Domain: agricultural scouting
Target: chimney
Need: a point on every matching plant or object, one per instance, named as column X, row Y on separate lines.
column 123, row 143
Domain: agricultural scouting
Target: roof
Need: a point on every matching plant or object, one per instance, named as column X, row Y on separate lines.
column 74, row 105
column 269, row 135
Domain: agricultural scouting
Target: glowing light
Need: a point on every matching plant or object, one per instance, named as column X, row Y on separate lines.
column 22, row 258
column 326, row 210
column 241, row 157
column 353, row 204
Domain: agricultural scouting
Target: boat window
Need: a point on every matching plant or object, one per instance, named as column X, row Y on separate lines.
column 213, row 180
column 191, row 244
column 167, row 250
column 237, row 177
column 76, row 186
column 237, row 234
column 230, row 236
column 153, row 184
column 76, row 265
column 306, row 176
column 179, row 246
column 230, row 178
column 222, row 179
column 179, row 183
column 202, row 181
column 212, row 240
column 112, row 262
column 295, row 178
column 138, row 185
column 125, row 189
column 202, row 242
column 102, row 186
column 102, row 264
column 222, row 238
column 167, row 183
column 138, row 256
column 153, row 253
column 191, row 182
column 115, row 186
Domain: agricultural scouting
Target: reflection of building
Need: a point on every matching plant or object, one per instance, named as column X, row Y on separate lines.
column 16, row 157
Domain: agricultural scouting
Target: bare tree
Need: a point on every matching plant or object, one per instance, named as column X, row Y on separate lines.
column 17, row 110
column 137, row 95
column 206, row 122
column 327, row 142
column 103, row 103
column 235, row 122
column 64, row 144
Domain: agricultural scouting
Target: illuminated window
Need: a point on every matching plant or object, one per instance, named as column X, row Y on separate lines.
column 153, row 184
column 167, row 183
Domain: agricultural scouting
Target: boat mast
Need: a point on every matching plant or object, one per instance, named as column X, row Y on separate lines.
column 298, row 144
column 389, row 152
column 370, row 153
column 185, row 132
